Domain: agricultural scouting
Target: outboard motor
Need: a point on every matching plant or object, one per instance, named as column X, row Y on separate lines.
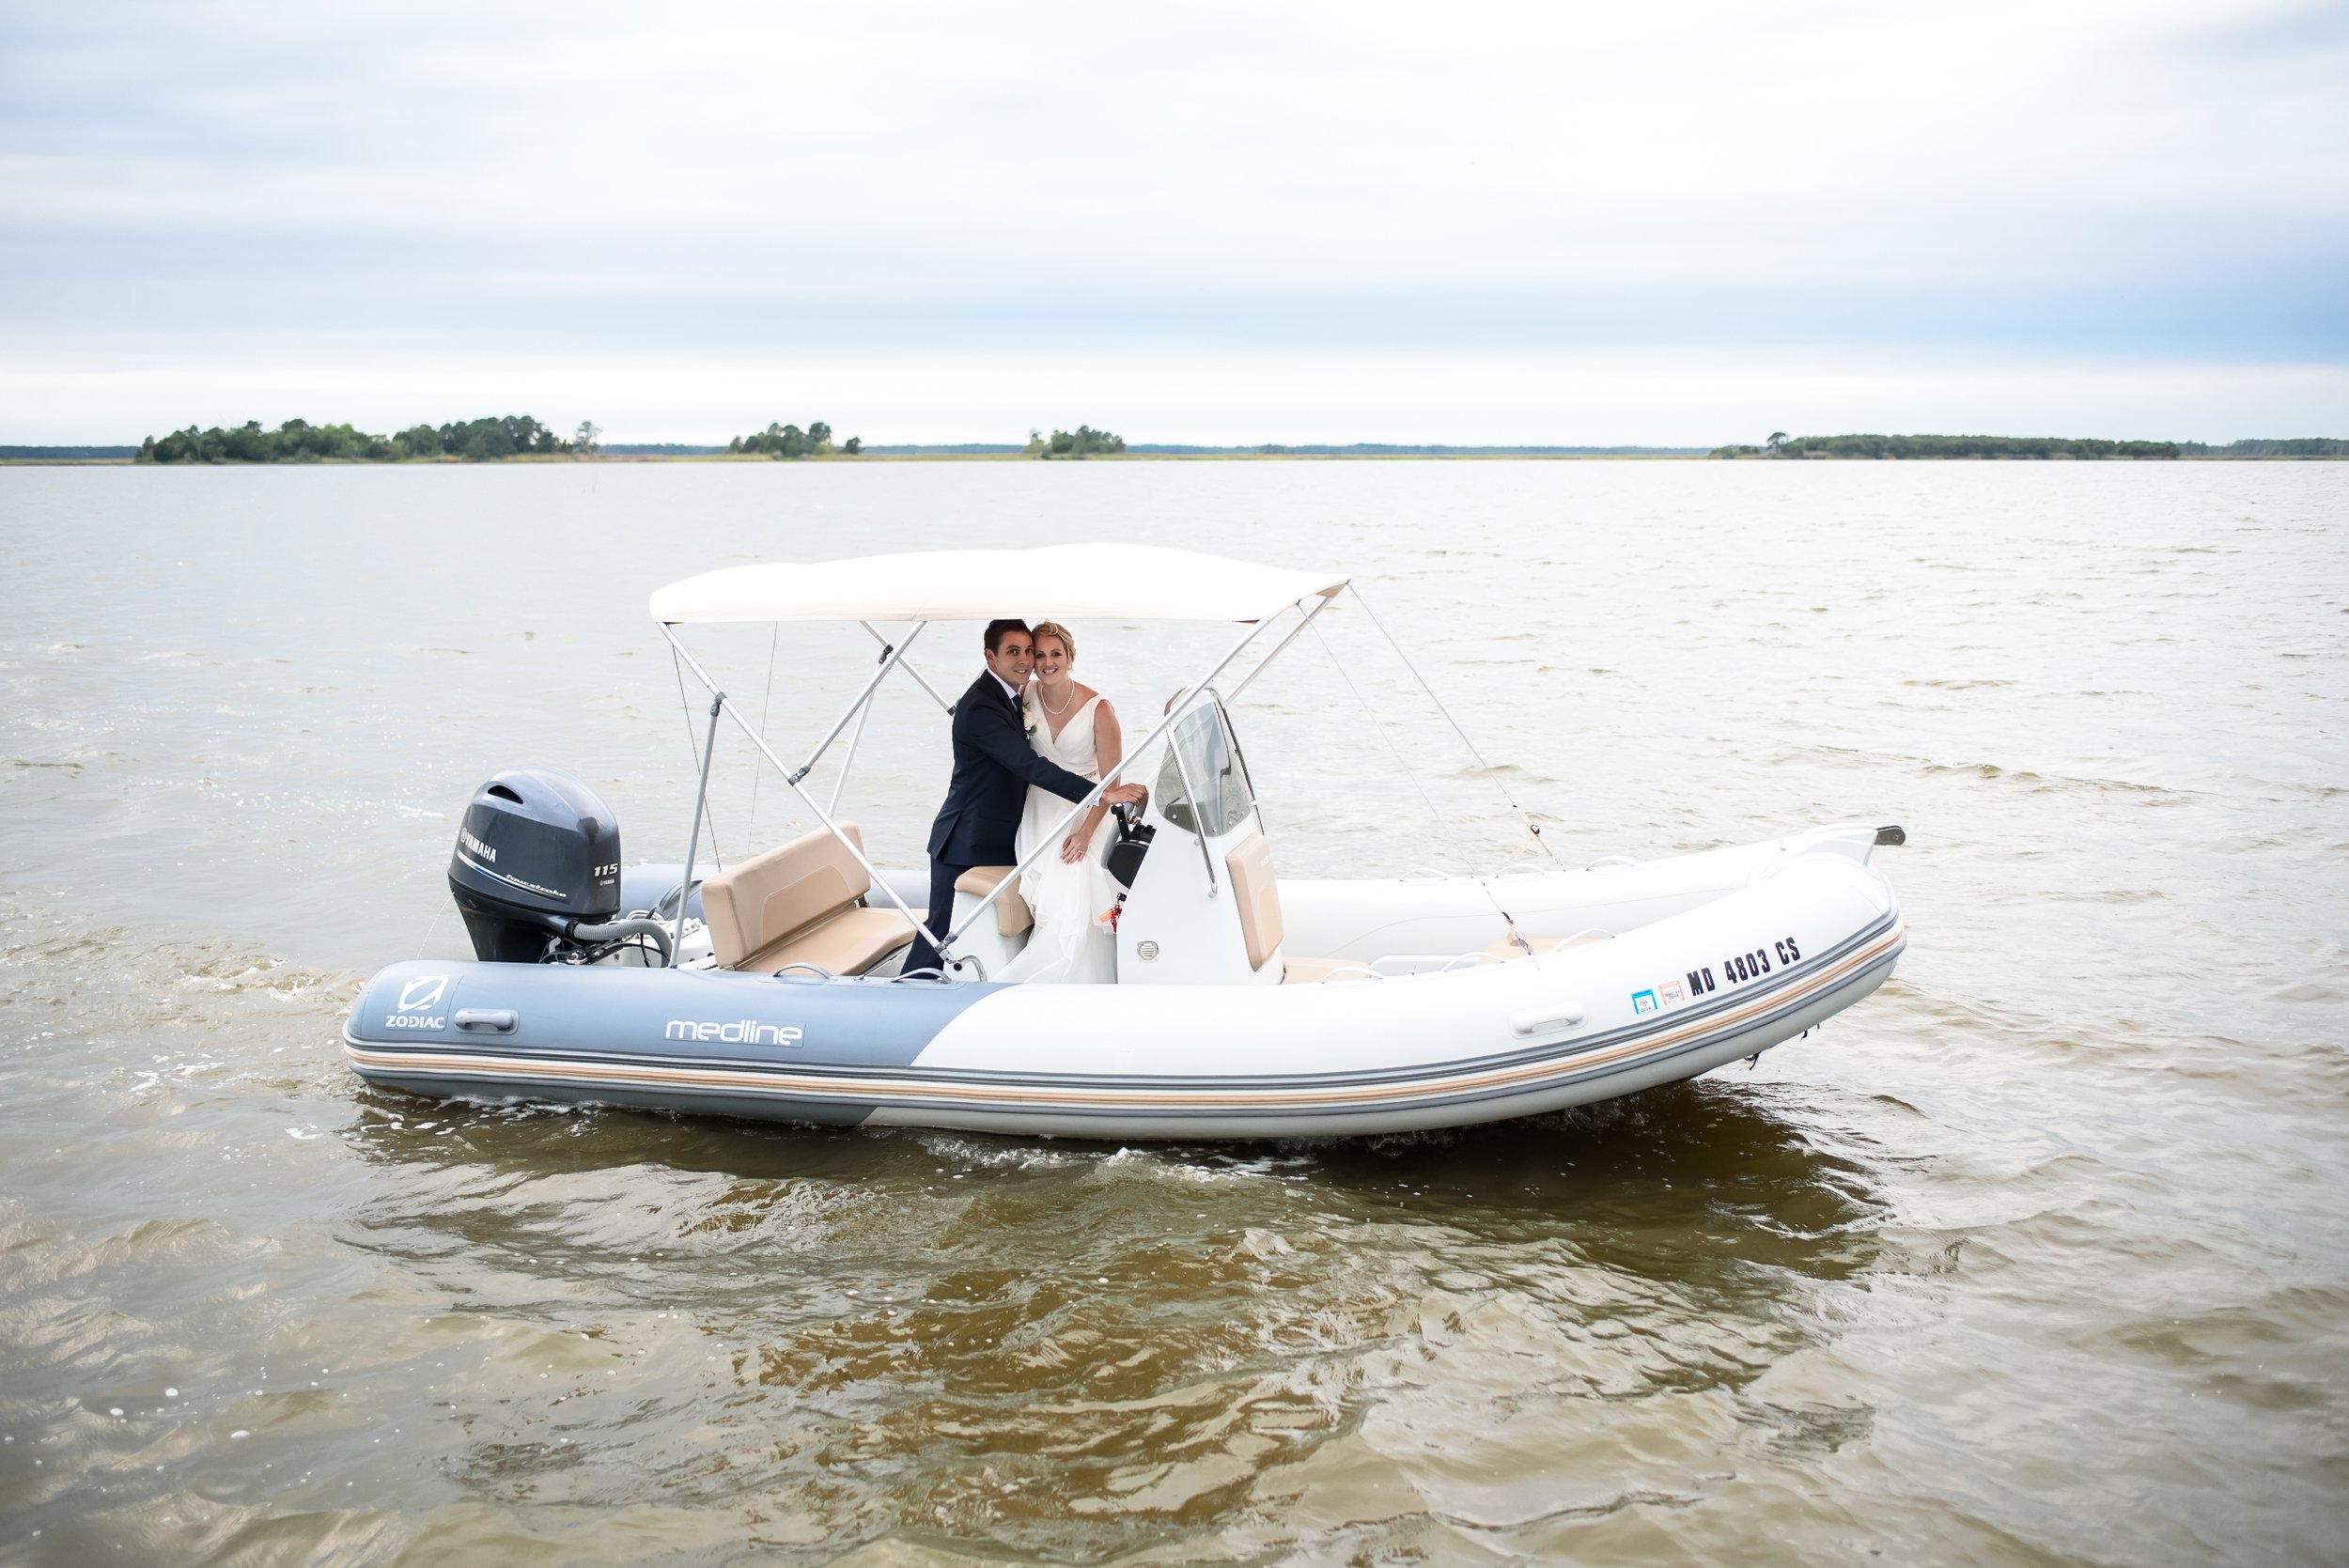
column 536, row 872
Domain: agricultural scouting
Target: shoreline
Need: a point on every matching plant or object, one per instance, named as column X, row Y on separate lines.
column 534, row 459
column 873, row 458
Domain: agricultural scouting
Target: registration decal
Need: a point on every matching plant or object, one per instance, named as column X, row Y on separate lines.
column 1735, row 970
column 1657, row 999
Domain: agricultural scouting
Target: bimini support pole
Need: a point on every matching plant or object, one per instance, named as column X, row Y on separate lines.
column 921, row 679
column 856, row 738
column 1051, row 840
column 800, row 789
column 864, row 711
column 1304, row 619
column 888, row 656
column 693, row 840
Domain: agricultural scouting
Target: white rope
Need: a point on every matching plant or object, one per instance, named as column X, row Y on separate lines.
column 1401, row 765
column 1404, row 767
column 1481, row 765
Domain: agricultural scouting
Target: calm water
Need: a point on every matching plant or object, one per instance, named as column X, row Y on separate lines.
column 2040, row 1255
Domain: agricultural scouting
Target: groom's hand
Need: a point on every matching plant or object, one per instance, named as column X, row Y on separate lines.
column 1126, row 794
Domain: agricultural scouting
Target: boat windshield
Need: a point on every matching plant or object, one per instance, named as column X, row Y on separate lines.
column 1211, row 758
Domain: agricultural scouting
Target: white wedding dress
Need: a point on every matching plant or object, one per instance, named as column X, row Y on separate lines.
column 1071, row 944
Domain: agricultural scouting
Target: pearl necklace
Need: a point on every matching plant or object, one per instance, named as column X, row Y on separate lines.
column 1045, row 702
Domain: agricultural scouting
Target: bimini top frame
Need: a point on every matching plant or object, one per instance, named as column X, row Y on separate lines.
column 1093, row 582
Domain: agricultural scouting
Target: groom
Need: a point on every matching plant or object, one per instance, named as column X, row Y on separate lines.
column 993, row 769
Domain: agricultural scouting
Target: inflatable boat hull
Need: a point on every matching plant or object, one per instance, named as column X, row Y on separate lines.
column 1732, row 976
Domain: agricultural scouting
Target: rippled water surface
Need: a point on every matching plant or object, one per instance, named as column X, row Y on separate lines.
column 2042, row 1254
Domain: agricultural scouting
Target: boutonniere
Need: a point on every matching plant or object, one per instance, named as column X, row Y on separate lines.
column 1027, row 711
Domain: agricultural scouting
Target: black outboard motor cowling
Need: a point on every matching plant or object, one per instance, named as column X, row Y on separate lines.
column 538, row 854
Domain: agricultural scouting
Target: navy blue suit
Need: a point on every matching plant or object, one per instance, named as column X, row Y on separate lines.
column 993, row 768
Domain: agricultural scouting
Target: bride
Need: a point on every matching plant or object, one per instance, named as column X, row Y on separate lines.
column 1069, row 890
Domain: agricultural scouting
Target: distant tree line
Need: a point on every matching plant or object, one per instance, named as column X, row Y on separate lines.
column 1781, row 445
column 789, row 440
column 2305, row 446
column 1083, row 442
column 298, row 441
column 68, row 454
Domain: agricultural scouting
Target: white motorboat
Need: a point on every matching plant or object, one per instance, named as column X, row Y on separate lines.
column 1245, row 1004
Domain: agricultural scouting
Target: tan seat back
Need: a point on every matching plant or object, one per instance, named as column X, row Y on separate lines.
column 1258, row 897
column 1012, row 914
column 774, row 896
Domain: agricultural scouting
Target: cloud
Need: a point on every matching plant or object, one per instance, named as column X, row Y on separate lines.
column 2170, row 181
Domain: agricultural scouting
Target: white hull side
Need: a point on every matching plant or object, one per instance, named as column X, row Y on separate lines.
column 1647, row 1073
column 1808, row 932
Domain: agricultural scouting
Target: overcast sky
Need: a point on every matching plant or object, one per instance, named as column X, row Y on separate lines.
column 1663, row 223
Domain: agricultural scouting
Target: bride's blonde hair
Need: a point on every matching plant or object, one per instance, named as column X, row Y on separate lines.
column 1053, row 628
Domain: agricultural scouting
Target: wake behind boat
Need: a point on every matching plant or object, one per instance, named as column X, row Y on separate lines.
column 1244, row 1004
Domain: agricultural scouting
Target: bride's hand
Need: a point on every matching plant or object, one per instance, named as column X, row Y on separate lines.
column 1072, row 849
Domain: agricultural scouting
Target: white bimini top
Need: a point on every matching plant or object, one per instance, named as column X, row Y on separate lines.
column 1082, row 582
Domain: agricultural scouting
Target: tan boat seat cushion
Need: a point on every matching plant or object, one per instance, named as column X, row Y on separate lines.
column 799, row 904
column 1012, row 914
column 1323, row 971
column 1258, row 897
column 1504, row 948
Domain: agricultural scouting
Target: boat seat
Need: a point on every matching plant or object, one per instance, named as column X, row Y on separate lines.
column 1012, row 914
column 1323, row 971
column 1257, row 895
column 801, row 903
column 1504, row 948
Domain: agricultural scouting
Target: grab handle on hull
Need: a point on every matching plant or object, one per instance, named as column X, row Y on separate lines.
column 488, row 1020
column 1541, row 1020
